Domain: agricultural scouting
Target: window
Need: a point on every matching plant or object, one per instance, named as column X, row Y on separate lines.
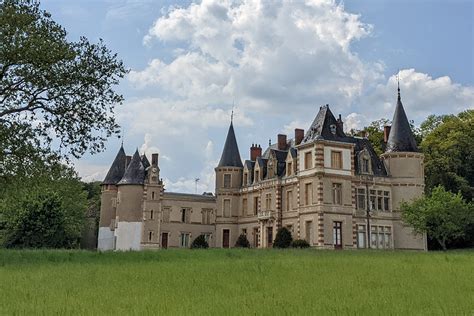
column 152, row 214
column 361, row 237
column 379, row 201
column 185, row 215
column 308, row 193
column 336, row 159
column 166, row 215
column 206, row 217
column 361, row 199
column 184, row 240
column 337, row 193
column 308, row 163
column 257, row 176
column 309, row 232
column 153, row 195
column 289, row 200
column 226, row 208
column 245, row 179
column 244, row 206
column 255, row 205
column 289, row 168
column 386, row 201
column 365, row 165
column 268, row 201
column 227, row 180
column 150, row 236
column 381, row 237
column 373, row 200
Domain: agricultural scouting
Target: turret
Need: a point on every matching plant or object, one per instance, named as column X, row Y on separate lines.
column 129, row 206
column 228, row 182
column 108, row 201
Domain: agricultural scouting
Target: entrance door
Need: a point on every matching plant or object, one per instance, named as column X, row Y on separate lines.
column 225, row 238
column 164, row 240
column 270, row 237
column 337, row 235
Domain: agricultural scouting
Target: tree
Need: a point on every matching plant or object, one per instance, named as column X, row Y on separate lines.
column 300, row 243
column 200, row 243
column 449, row 153
column 283, row 238
column 242, row 242
column 54, row 93
column 443, row 215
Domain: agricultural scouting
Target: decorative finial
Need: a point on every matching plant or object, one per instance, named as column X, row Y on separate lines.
column 398, row 83
column 232, row 113
column 269, row 142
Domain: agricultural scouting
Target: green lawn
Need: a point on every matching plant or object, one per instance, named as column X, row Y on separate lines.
column 231, row 282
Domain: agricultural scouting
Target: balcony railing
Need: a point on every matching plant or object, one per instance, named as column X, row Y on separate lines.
column 264, row 215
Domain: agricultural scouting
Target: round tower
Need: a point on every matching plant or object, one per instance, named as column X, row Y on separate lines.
column 108, row 203
column 129, row 213
column 228, row 183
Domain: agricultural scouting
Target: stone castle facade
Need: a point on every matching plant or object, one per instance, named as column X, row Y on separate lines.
column 326, row 187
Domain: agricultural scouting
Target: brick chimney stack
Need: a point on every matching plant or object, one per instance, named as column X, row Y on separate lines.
column 386, row 132
column 340, row 123
column 281, row 141
column 299, row 135
column 154, row 159
column 255, row 152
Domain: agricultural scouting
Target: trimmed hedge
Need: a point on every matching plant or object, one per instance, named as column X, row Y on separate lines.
column 283, row 238
column 242, row 242
column 299, row 243
column 200, row 243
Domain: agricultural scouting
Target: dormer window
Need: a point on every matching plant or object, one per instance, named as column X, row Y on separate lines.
column 245, row 178
column 365, row 164
column 257, row 175
column 227, row 180
column 289, row 168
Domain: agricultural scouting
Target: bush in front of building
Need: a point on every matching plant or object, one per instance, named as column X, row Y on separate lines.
column 200, row 243
column 283, row 238
column 299, row 243
column 242, row 242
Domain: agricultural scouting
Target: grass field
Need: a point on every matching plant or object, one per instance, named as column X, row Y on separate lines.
column 231, row 282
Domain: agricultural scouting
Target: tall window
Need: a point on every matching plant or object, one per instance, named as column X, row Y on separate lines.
column 152, row 214
column 227, row 180
column 361, row 199
column 379, row 200
column 206, row 217
column 373, row 200
column 289, row 200
column 309, row 232
column 289, row 168
column 226, row 208
column 361, row 236
column 184, row 240
column 386, row 201
column 255, row 205
column 381, row 237
column 308, row 161
column 308, row 193
column 365, row 165
column 153, row 195
column 244, row 206
column 268, row 201
column 257, row 176
column 337, row 193
column 185, row 215
column 336, row 159
column 150, row 236
column 245, row 179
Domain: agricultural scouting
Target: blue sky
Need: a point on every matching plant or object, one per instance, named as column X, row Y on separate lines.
column 277, row 61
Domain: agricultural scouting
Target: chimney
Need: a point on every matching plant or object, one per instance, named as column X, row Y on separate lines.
column 299, row 135
column 281, row 142
column 386, row 133
column 127, row 161
column 340, row 123
column 154, row 159
column 255, row 152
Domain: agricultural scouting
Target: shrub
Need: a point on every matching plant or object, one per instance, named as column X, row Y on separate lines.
column 242, row 242
column 200, row 243
column 283, row 238
column 300, row 243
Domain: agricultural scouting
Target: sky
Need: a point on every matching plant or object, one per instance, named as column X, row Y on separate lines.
column 275, row 63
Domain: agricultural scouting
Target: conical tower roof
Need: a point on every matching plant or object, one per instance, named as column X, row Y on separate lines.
column 135, row 173
column 230, row 156
column 117, row 169
column 401, row 137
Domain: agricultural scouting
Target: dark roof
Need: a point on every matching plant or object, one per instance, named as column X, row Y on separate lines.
column 230, row 156
column 117, row 169
column 321, row 127
column 249, row 164
column 262, row 162
column 145, row 162
column 378, row 167
column 135, row 173
column 400, row 137
column 293, row 152
column 201, row 197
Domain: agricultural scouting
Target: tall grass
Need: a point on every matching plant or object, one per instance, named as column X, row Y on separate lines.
column 237, row 281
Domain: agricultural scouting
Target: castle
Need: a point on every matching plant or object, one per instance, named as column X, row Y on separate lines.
column 326, row 187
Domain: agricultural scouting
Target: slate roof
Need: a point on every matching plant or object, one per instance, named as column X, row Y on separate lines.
column 117, row 169
column 321, row 127
column 378, row 168
column 201, row 197
column 135, row 173
column 400, row 137
column 230, row 155
column 145, row 162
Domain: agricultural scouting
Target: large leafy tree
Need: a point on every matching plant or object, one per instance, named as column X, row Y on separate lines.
column 443, row 215
column 56, row 96
column 449, row 153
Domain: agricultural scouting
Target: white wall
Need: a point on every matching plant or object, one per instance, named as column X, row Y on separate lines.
column 105, row 240
column 128, row 235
